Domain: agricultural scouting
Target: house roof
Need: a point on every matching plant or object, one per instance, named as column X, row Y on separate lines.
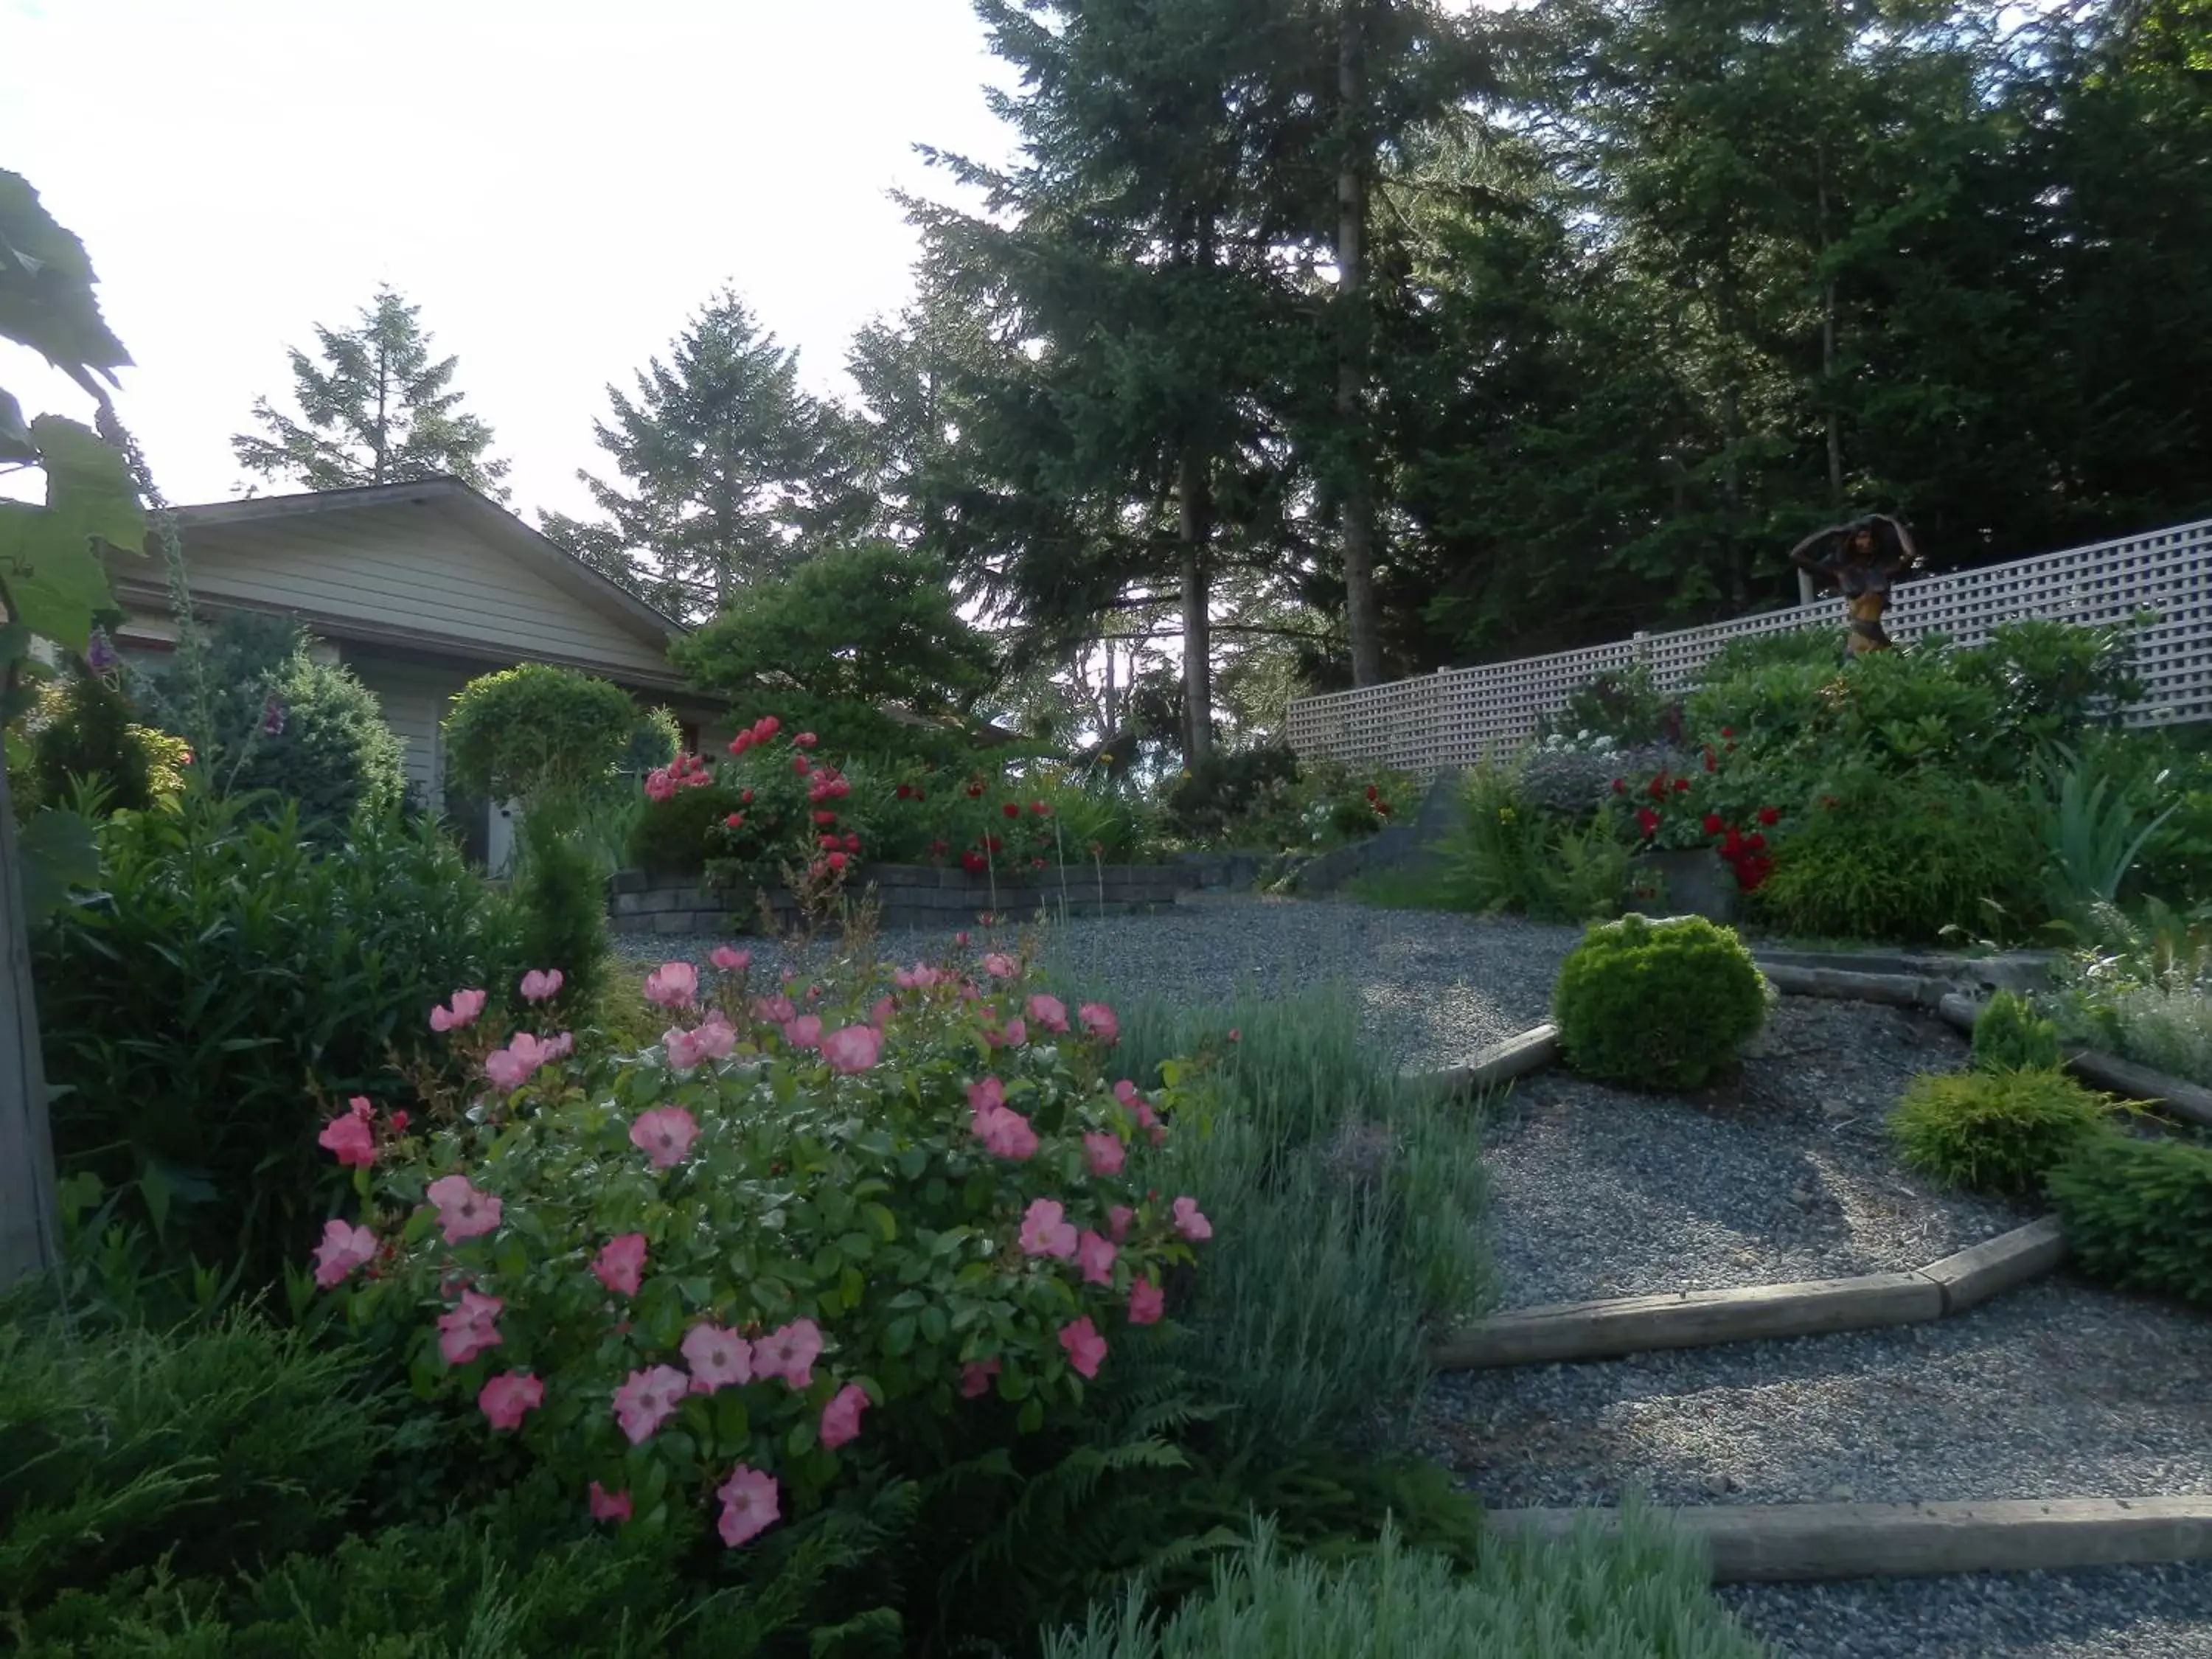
column 470, row 508
column 384, row 566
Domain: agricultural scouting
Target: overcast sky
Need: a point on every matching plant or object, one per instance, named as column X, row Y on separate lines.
column 556, row 184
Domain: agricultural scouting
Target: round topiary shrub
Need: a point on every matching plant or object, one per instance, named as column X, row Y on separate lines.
column 1995, row 1132
column 1657, row 1005
column 532, row 733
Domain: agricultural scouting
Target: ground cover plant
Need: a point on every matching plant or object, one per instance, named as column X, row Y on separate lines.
column 1996, row 1131
column 2138, row 1214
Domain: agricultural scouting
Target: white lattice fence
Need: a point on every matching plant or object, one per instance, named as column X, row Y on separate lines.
column 1454, row 717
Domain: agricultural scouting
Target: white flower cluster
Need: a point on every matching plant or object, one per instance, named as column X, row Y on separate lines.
column 1317, row 820
column 1584, row 741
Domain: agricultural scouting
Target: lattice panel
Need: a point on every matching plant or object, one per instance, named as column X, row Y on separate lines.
column 1453, row 718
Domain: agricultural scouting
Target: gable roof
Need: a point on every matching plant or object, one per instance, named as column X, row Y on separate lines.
column 429, row 566
column 472, row 509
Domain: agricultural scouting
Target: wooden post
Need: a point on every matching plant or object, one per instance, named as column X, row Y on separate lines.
column 30, row 1222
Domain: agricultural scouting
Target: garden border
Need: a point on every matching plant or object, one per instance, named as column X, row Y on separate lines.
column 1754, row 1543
column 2109, row 1072
column 1614, row 1328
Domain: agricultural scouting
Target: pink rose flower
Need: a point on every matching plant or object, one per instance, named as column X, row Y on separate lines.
column 673, row 984
column 749, row 1505
column 504, row 1398
column 1005, row 1133
column 664, row 1134
column 466, row 1005
column 1117, row 1221
column 719, row 1359
column 975, row 1378
column 647, row 1398
column 609, row 1505
column 789, row 1353
column 466, row 1331
column 1146, row 1303
column 1104, row 1153
column 537, row 987
column 841, row 1418
column 345, row 1247
column 999, row 965
column 1192, row 1224
column 711, row 1041
column 1085, row 1347
column 853, row 1048
column 774, row 1011
column 804, row 1032
column 986, row 1096
column 349, row 1138
column 464, row 1211
column 620, row 1262
column 1049, row 1012
column 1012, row 1035
column 730, row 962
column 1098, row 1021
column 1095, row 1257
column 1044, row 1231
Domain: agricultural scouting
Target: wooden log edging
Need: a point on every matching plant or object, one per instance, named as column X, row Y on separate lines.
column 1616, row 1327
column 1767, row 1543
column 2109, row 1072
column 1501, row 1062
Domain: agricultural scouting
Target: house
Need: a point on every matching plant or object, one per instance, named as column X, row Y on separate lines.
column 419, row 588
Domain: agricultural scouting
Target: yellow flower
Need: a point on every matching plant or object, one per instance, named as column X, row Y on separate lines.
column 1505, row 815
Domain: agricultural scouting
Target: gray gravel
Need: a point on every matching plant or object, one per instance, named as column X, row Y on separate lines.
column 2055, row 1390
column 1435, row 989
column 1781, row 1174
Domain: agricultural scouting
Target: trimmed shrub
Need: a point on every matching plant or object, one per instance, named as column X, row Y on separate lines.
column 1643, row 1591
column 1657, row 1005
column 669, row 837
column 1225, row 787
column 2009, row 1036
column 559, row 901
column 323, row 745
column 225, row 969
column 535, row 734
column 2138, row 1214
column 1995, row 1132
column 85, row 727
column 1905, row 859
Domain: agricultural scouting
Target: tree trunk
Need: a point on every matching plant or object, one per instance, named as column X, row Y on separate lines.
column 1805, row 589
column 1363, row 615
column 1195, row 531
column 30, row 1227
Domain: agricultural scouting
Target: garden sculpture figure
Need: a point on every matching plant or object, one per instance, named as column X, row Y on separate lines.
column 1864, row 558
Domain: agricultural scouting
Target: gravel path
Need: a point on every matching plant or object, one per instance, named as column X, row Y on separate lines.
column 2057, row 1389
column 1783, row 1174
column 1435, row 989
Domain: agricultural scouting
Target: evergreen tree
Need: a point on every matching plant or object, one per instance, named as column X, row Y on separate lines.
column 729, row 469
column 376, row 411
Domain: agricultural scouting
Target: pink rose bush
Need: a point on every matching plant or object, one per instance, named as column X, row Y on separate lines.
column 713, row 1273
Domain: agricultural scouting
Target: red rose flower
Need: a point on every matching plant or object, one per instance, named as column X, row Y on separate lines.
column 1682, row 786
column 1769, row 817
column 1620, row 786
column 1713, row 825
column 1657, row 787
column 1647, row 821
column 1010, row 810
column 1756, row 842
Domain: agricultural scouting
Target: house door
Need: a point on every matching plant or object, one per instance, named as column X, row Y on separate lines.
column 499, row 846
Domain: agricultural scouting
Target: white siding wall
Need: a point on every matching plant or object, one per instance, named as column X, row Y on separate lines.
column 411, row 568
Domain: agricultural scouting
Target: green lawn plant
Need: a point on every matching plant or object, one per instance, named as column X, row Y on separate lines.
column 2138, row 1214
column 1657, row 1005
column 1997, row 1132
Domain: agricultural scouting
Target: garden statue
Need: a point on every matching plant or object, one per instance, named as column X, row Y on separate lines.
column 1864, row 558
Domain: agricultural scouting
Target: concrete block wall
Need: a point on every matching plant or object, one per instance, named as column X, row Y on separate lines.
column 923, row 895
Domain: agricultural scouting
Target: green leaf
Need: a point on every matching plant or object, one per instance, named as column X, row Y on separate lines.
column 898, row 1335
column 851, row 1287
column 886, row 1223
column 933, row 1324
column 48, row 560
column 58, row 851
column 731, row 1424
column 1031, row 1418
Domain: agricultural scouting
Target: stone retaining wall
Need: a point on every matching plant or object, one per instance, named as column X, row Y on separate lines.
column 923, row 895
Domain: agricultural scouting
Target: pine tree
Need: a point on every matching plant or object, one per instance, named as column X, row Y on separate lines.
column 730, row 472
column 1129, row 262
column 376, row 411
